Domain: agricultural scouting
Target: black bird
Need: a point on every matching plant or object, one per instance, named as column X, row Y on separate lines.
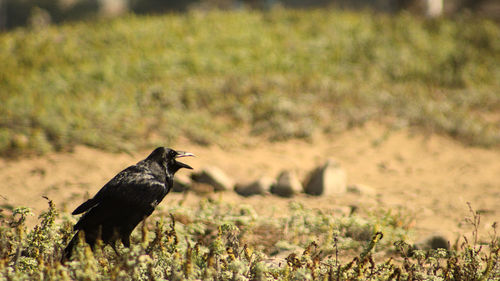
column 127, row 199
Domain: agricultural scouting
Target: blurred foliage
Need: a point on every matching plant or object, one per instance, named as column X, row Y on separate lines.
column 140, row 80
column 219, row 241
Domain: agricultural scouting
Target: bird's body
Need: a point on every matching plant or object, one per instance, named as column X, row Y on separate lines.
column 127, row 199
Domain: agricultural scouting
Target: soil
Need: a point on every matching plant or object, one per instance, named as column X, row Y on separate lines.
column 428, row 179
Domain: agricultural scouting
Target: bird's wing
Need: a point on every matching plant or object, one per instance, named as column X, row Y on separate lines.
column 85, row 206
column 133, row 189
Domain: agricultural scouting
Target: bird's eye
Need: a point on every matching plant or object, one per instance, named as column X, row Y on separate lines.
column 172, row 153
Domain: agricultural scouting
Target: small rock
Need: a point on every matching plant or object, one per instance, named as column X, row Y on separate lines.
column 202, row 188
column 287, row 186
column 434, row 242
column 329, row 179
column 361, row 189
column 215, row 177
column 182, row 182
column 260, row 186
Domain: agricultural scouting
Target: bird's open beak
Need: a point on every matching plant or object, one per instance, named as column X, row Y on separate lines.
column 184, row 154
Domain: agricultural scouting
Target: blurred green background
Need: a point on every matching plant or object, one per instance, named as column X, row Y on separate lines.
column 15, row 13
column 126, row 80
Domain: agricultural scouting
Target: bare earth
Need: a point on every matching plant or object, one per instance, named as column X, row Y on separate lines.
column 429, row 179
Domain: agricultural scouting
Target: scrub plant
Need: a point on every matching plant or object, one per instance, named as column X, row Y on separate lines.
column 186, row 245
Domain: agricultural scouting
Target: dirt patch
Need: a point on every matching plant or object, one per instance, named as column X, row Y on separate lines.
column 428, row 179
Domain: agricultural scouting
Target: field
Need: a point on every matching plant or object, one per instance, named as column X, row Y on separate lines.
column 138, row 81
column 408, row 106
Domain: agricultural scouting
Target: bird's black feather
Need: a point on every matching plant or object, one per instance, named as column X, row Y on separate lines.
column 85, row 206
column 128, row 198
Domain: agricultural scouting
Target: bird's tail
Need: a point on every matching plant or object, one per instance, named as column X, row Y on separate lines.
column 68, row 251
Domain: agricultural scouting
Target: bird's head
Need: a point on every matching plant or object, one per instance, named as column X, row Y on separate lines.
column 167, row 158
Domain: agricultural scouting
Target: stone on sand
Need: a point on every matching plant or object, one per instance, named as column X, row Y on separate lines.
column 258, row 187
column 328, row 179
column 215, row 177
column 287, row 185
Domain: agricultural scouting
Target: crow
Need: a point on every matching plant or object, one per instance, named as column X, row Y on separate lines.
column 126, row 200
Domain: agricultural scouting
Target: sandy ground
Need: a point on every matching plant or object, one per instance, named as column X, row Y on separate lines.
column 429, row 179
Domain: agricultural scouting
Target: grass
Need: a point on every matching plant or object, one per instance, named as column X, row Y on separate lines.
column 220, row 241
column 140, row 81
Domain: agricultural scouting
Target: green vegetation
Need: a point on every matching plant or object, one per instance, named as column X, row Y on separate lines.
column 219, row 241
column 141, row 81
